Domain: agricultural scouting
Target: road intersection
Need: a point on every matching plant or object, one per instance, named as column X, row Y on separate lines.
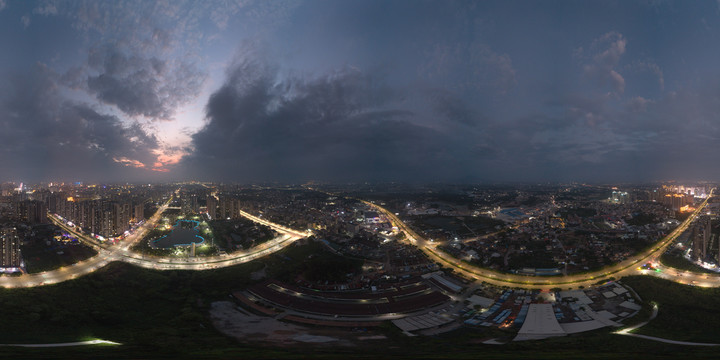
column 630, row 266
column 121, row 252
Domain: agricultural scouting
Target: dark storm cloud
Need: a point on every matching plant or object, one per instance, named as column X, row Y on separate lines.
column 64, row 139
column 603, row 58
column 141, row 54
column 453, row 108
column 429, row 90
column 150, row 87
column 469, row 67
column 638, row 139
column 331, row 127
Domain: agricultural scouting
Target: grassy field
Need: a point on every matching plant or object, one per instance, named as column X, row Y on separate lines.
column 40, row 257
column 686, row 313
column 165, row 314
column 143, row 246
column 462, row 344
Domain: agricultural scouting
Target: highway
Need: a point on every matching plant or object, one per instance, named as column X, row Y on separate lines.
column 106, row 254
column 629, row 266
column 121, row 252
column 682, row 276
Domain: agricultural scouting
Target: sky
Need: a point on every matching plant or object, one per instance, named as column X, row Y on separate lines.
column 353, row 91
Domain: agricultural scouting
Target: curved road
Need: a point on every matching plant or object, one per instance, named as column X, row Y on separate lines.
column 628, row 332
column 624, row 268
column 108, row 253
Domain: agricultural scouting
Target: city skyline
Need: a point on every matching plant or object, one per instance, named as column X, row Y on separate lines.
column 359, row 178
column 293, row 91
column 532, row 262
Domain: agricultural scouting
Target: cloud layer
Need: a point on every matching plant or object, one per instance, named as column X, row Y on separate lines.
column 358, row 90
column 332, row 127
column 138, row 86
column 64, row 139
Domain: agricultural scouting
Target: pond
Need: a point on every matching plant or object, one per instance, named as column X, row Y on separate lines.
column 184, row 233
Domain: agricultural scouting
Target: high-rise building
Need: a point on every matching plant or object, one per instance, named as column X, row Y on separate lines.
column 52, row 202
column 677, row 201
column 139, row 212
column 194, row 204
column 31, row 211
column 229, row 208
column 102, row 217
column 9, row 248
column 698, row 238
column 107, row 225
column 695, row 242
column 707, row 235
column 37, row 212
column 718, row 251
column 212, row 205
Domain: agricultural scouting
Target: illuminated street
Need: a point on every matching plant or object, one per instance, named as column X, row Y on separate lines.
column 121, row 252
column 109, row 253
column 629, row 266
column 359, row 179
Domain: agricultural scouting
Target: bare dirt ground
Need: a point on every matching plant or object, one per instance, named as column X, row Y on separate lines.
column 245, row 326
